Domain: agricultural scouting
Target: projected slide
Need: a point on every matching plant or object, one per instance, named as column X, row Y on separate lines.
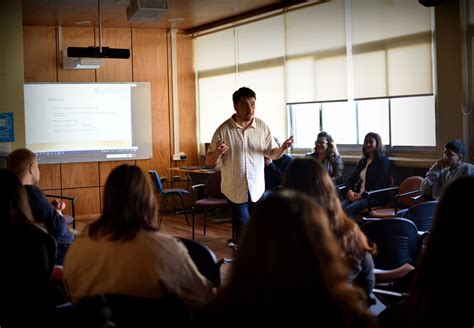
column 80, row 116
column 75, row 122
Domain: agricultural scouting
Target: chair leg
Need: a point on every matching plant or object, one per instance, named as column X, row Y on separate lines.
column 160, row 213
column 184, row 208
column 204, row 224
column 192, row 227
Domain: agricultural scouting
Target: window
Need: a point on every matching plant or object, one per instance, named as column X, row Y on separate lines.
column 406, row 121
column 346, row 67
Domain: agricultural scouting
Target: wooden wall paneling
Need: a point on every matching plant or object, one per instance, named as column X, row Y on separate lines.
column 150, row 63
column 78, row 175
column 88, row 202
column 39, row 53
column 106, row 167
column 187, row 98
column 50, row 176
column 116, row 70
column 75, row 37
column 101, row 191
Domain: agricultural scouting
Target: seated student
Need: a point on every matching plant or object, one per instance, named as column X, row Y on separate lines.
column 325, row 151
column 24, row 164
column 310, row 177
column 288, row 269
column 447, row 169
column 27, row 255
column 442, row 286
column 274, row 170
column 372, row 172
column 122, row 253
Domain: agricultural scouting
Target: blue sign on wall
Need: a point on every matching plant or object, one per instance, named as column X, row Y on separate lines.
column 6, row 127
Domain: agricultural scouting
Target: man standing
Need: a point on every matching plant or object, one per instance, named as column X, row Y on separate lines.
column 445, row 170
column 241, row 143
column 24, row 164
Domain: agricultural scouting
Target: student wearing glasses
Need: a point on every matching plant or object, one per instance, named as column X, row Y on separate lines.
column 325, row 151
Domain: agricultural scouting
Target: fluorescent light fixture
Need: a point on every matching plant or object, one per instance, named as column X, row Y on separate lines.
column 81, row 63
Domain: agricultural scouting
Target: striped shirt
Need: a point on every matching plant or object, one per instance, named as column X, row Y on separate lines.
column 243, row 164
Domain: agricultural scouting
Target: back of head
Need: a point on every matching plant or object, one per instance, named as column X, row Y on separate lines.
column 129, row 205
column 449, row 241
column 288, row 260
column 13, row 199
column 456, row 146
column 309, row 176
column 19, row 161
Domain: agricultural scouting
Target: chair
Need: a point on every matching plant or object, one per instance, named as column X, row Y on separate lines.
column 398, row 246
column 205, row 260
column 27, row 254
column 118, row 310
column 403, row 199
column 213, row 197
column 70, row 219
column 166, row 193
column 421, row 214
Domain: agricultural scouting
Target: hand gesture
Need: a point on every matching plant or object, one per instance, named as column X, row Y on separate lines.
column 221, row 147
column 288, row 143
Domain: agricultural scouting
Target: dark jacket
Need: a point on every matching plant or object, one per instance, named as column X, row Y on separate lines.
column 334, row 165
column 377, row 176
column 44, row 212
column 275, row 170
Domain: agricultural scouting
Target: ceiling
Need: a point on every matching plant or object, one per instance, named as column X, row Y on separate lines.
column 188, row 15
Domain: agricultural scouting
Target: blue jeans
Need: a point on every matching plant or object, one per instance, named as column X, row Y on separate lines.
column 240, row 215
column 353, row 208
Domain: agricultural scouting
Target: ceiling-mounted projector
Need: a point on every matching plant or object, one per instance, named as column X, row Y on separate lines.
column 146, row 10
column 97, row 52
column 81, row 63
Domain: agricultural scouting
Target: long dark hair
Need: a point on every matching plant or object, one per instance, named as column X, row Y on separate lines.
column 288, row 259
column 379, row 148
column 129, row 205
column 435, row 296
column 14, row 204
column 332, row 151
column 309, row 176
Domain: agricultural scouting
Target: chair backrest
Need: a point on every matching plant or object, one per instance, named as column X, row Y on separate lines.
column 205, row 260
column 27, row 254
column 422, row 214
column 155, row 177
column 410, row 184
column 118, row 310
column 213, row 186
column 396, row 240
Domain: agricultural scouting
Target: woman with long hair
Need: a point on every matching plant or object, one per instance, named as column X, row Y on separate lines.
column 288, row 268
column 325, row 151
column 122, row 253
column 310, row 177
column 372, row 172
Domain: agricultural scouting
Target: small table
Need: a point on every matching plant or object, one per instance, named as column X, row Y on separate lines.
column 196, row 174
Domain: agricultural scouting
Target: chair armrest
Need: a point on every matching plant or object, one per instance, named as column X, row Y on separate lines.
column 73, row 205
column 199, row 191
column 72, row 199
column 369, row 194
column 390, row 275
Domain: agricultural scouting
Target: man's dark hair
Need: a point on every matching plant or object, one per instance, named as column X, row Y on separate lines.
column 243, row 92
column 457, row 146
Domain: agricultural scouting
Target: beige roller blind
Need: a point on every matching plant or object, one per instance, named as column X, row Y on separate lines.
column 391, row 46
column 316, row 53
column 216, row 70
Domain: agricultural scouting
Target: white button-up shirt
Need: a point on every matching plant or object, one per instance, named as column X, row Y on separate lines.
column 243, row 164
